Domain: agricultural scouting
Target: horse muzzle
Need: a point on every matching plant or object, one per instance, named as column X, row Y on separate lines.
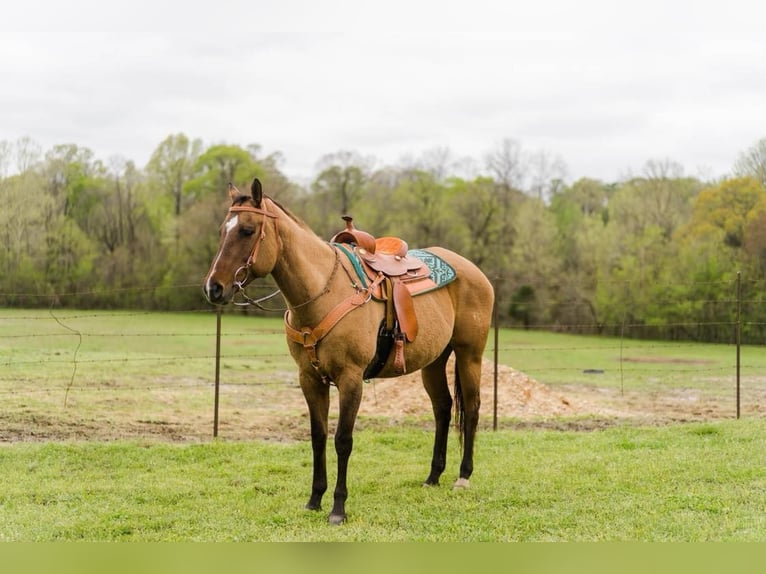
column 216, row 293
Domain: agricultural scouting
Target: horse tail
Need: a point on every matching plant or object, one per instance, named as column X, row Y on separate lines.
column 459, row 408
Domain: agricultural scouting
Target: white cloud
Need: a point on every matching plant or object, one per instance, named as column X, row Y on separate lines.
column 605, row 85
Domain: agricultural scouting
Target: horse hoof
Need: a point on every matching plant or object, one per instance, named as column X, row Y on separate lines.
column 336, row 519
column 461, row 483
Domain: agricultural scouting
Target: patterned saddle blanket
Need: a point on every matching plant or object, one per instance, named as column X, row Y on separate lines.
column 429, row 272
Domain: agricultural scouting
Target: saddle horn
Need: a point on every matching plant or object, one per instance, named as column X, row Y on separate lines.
column 353, row 235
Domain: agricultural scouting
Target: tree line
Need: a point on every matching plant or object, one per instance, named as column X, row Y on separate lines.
column 658, row 252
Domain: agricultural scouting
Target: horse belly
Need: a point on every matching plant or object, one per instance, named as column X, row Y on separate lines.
column 436, row 321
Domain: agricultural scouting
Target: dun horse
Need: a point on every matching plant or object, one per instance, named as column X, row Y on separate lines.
column 334, row 322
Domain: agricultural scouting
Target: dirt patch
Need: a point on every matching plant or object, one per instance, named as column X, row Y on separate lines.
column 518, row 395
column 274, row 409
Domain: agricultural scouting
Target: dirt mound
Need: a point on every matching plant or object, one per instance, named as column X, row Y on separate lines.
column 518, row 395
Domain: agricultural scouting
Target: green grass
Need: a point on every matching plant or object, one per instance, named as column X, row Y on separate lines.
column 135, row 343
column 697, row 482
column 67, row 372
column 561, row 358
column 137, row 375
column 144, row 346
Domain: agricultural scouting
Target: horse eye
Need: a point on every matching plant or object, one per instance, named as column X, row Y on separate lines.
column 246, row 231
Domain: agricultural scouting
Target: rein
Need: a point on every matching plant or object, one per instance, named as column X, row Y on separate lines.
column 257, row 302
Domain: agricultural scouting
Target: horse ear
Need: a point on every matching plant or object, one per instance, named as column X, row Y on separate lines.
column 257, row 191
column 233, row 191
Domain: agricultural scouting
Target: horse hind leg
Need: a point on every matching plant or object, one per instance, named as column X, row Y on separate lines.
column 468, row 398
column 436, row 385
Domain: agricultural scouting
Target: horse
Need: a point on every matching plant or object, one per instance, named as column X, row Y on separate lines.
column 339, row 321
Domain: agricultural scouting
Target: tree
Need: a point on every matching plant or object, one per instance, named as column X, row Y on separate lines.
column 752, row 162
column 28, row 153
column 66, row 169
column 480, row 225
column 6, row 152
column 23, row 234
column 219, row 165
column 721, row 212
column 341, row 180
column 546, row 174
column 754, row 243
column 506, row 164
column 535, row 265
column 172, row 165
column 419, row 209
column 581, row 219
column 587, row 196
column 661, row 198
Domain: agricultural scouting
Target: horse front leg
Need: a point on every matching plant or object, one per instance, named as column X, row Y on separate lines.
column 317, row 397
column 349, row 399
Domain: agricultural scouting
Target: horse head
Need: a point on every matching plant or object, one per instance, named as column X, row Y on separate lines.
column 247, row 247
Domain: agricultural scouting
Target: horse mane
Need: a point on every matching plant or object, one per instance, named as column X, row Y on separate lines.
column 289, row 213
column 242, row 199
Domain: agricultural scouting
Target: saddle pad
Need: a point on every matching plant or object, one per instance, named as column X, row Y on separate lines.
column 441, row 271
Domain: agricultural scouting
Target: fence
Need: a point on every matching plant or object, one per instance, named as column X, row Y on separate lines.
column 82, row 365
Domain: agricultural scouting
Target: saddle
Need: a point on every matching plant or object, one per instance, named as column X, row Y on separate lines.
column 402, row 277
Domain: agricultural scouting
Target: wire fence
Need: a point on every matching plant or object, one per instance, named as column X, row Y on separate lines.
column 55, row 358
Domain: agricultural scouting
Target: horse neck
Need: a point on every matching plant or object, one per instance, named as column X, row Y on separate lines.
column 305, row 267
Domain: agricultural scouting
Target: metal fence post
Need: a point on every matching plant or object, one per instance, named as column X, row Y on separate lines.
column 739, row 334
column 495, row 315
column 217, row 368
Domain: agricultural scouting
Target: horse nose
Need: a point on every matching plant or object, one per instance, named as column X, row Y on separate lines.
column 214, row 291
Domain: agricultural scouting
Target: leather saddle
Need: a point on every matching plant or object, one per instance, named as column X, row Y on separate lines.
column 404, row 276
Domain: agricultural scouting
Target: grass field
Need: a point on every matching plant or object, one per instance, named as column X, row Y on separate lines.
column 105, row 434
column 697, row 482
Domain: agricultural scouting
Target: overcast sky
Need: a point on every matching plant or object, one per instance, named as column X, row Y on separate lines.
column 606, row 85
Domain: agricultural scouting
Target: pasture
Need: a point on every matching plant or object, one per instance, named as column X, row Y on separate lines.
column 106, row 433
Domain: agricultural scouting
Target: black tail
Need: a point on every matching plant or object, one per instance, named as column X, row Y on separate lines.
column 459, row 408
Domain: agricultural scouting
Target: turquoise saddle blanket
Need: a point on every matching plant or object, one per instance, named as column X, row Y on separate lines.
column 441, row 272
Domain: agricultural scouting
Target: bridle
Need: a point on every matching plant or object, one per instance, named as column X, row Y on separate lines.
column 244, row 270
column 243, row 274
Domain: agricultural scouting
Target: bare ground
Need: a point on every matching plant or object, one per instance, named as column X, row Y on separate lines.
column 182, row 411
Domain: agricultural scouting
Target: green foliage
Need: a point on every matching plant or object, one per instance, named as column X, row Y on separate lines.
column 478, row 224
column 340, row 184
column 172, row 166
column 523, row 305
column 721, row 213
column 217, row 167
column 652, row 250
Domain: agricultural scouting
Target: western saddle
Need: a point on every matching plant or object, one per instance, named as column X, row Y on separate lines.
column 384, row 262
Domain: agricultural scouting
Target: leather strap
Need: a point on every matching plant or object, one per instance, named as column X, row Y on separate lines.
column 399, row 365
column 309, row 337
column 259, row 239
